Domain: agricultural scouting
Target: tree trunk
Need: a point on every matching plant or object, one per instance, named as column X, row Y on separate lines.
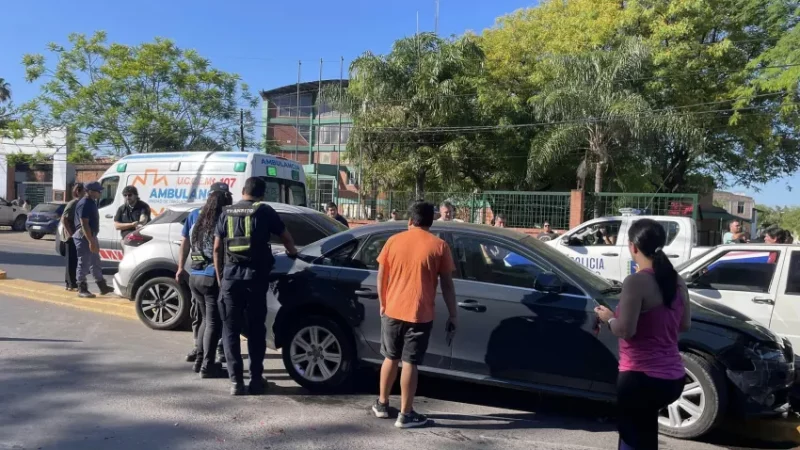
column 419, row 184
column 598, row 188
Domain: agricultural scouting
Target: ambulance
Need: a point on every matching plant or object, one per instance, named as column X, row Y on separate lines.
column 185, row 177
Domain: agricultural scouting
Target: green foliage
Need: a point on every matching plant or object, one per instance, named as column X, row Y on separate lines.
column 145, row 98
column 18, row 159
column 786, row 217
column 80, row 156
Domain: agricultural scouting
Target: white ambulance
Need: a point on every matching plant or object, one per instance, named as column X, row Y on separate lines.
column 184, row 177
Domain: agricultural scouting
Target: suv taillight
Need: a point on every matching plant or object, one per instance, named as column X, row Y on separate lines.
column 136, row 239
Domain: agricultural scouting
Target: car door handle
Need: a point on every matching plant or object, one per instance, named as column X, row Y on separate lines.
column 472, row 305
column 673, row 256
column 610, row 254
column 366, row 293
column 109, row 216
column 177, row 242
column 763, row 301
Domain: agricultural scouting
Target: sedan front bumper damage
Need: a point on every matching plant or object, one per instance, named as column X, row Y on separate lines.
column 765, row 389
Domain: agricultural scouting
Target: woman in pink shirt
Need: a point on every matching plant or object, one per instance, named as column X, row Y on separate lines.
column 653, row 309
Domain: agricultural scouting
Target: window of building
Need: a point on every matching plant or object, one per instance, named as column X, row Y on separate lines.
column 739, row 207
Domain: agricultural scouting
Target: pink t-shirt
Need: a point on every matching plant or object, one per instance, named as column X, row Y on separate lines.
column 653, row 350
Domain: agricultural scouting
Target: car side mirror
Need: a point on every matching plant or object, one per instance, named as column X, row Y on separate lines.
column 564, row 240
column 548, row 282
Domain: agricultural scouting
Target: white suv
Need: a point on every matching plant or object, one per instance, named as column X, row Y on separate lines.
column 147, row 271
column 12, row 216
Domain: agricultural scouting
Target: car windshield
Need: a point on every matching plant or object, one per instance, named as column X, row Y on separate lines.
column 689, row 262
column 566, row 264
column 327, row 223
column 47, row 208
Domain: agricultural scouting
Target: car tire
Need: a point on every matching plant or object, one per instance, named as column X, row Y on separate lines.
column 35, row 235
column 710, row 399
column 333, row 377
column 159, row 297
column 19, row 223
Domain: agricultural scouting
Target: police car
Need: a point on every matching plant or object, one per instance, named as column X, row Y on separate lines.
column 761, row 281
column 601, row 245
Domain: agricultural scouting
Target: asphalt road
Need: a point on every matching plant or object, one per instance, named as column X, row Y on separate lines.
column 74, row 379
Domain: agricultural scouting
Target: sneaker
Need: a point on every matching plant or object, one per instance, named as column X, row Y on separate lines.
column 192, row 355
column 213, row 371
column 381, row 410
column 238, row 389
column 411, row 420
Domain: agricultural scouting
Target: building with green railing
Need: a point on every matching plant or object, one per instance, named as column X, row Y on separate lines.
column 300, row 125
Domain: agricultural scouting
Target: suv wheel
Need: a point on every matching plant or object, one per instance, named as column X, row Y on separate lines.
column 702, row 403
column 318, row 354
column 162, row 304
column 19, row 223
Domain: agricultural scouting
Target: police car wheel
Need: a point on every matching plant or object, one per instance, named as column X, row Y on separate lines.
column 318, row 354
column 162, row 304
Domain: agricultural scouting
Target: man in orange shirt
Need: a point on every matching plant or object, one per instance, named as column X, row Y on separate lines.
column 411, row 265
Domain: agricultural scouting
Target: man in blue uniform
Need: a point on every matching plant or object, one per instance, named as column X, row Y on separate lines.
column 242, row 247
column 87, row 225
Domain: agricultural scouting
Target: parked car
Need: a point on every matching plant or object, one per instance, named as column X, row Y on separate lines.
column 147, row 271
column 12, row 216
column 761, row 281
column 601, row 245
column 526, row 321
column 44, row 218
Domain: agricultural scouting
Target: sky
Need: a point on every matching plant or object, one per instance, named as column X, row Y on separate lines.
column 260, row 40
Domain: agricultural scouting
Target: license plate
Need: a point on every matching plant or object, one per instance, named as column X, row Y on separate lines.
column 36, row 227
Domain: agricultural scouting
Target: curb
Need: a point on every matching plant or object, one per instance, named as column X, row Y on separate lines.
column 48, row 293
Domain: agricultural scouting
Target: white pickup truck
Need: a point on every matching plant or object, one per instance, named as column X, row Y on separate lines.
column 761, row 281
column 12, row 216
column 601, row 245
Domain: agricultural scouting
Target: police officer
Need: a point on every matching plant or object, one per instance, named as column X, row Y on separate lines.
column 87, row 225
column 242, row 243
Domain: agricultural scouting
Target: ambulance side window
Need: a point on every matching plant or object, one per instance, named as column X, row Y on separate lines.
column 110, row 186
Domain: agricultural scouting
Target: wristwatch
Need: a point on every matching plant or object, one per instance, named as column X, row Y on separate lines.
column 609, row 322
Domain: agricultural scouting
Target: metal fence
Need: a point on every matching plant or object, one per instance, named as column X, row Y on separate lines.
column 609, row 203
column 520, row 209
column 318, row 198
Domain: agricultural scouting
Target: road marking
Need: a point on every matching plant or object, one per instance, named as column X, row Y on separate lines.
column 48, row 293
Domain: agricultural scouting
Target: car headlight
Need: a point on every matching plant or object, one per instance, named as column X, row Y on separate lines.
column 762, row 351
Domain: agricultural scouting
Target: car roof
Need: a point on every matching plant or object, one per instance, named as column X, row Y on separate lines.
column 280, row 207
column 449, row 226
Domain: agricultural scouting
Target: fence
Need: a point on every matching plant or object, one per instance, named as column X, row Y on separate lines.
column 520, row 209
column 318, row 198
column 609, row 203
column 35, row 192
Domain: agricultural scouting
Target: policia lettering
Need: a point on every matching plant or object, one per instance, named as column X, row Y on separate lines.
column 238, row 248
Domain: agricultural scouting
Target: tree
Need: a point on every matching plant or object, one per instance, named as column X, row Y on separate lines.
column 5, row 91
column 405, row 104
column 148, row 97
column 596, row 111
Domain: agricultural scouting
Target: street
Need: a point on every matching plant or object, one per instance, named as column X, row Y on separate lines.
column 78, row 379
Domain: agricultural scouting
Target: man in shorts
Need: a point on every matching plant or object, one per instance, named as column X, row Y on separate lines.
column 411, row 265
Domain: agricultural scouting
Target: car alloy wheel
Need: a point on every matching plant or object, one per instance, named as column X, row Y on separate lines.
column 688, row 408
column 316, row 353
column 161, row 303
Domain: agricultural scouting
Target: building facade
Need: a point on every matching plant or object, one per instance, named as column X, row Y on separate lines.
column 43, row 182
column 739, row 205
column 299, row 125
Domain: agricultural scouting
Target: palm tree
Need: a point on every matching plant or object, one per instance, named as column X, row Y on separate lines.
column 597, row 112
column 5, row 91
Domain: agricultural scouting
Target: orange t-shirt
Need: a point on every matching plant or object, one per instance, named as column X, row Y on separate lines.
column 413, row 261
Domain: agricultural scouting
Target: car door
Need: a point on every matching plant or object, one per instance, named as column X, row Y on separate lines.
column 675, row 249
column 109, row 238
column 741, row 279
column 512, row 332
column 596, row 246
column 785, row 318
column 360, row 276
column 6, row 212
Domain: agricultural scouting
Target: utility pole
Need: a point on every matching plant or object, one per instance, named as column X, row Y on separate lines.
column 319, row 128
column 241, row 129
column 339, row 141
column 297, row 113
column 436, row 19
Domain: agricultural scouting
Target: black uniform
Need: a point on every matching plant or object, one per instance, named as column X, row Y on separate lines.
column 248, row 261
column 139, row 212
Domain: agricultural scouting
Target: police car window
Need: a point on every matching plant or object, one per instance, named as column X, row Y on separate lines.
column 303, row 232
column 793, row 282
column 487, row 261
column 744, row 271
column 672, row 228
column 598, row 233
column 110, row 185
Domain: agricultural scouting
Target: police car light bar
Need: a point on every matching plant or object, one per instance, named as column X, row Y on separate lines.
column 629, row 212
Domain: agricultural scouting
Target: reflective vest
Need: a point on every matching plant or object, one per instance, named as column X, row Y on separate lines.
column 238, row 249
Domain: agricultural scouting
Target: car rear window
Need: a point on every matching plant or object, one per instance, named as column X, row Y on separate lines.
column 47, row 208
column 170, row 216
column 305, row 229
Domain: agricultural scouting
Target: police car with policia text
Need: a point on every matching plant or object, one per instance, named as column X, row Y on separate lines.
column 601, row 245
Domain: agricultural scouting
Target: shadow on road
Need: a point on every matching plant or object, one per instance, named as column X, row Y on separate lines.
column 7, row 339
column 32, row 259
